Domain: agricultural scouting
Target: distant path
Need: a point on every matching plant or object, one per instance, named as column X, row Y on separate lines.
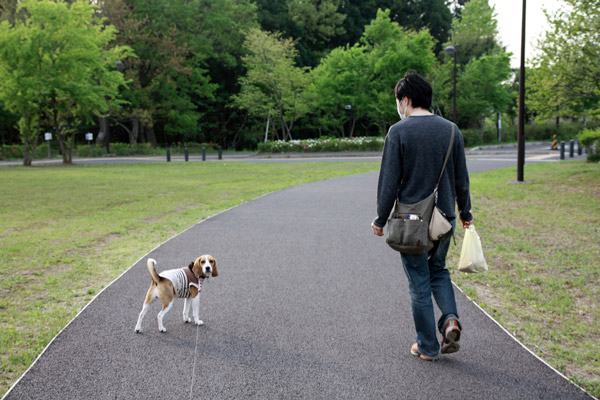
column 309, row 305
column 535, row 152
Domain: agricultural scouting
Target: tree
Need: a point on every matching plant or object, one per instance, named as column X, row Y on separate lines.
column 57, row 70
column 312, row 23
column 431, row 14
column 483, row 68
column 340, row 89
column 475, row 34
column 364, row 75
column 317, row 21
column 391, row 52
column 483, row 87
column 566, row 76
column 273, row 86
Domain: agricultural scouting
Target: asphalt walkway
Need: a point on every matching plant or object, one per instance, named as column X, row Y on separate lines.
column 309, row 304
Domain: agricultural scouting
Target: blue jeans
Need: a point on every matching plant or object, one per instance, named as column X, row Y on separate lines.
column 427, row 275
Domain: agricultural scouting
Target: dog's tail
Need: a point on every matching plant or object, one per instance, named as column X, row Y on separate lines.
column 155, row 277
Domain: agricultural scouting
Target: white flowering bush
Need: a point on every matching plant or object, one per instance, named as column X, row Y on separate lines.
column 324, row 144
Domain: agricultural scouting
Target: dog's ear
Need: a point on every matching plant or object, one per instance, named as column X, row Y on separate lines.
column 196, row 267
column 215, row 271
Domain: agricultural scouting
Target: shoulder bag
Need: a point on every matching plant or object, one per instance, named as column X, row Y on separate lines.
column 413, row 227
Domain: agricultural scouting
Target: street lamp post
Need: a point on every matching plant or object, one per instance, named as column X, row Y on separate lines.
column 119, row 66
column 452, row 50
column 521, row 128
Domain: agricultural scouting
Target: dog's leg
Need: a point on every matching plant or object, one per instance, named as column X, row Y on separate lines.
column 149, row 298
column 161, row 315
column 138, row 326
column 196, row 304
column 186, row 310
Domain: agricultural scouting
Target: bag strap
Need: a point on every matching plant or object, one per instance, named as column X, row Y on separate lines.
column 446, row 159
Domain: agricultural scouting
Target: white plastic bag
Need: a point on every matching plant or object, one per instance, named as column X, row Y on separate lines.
column 471, row 255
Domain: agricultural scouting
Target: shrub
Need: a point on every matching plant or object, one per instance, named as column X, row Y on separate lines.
column 325, row 144
column 590, row 138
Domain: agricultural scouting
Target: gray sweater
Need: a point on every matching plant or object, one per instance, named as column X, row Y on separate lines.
column 413, row 155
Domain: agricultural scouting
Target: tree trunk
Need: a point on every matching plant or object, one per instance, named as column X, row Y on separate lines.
column 353, row 117
column 150, row 135
column 482, row 127
column 142, row 136
column 28, row 132
column 267, row 130
column 103, row 121
column 134, row 132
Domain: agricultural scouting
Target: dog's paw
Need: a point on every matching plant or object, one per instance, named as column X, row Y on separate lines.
column 138, row 330
column 162, row 330
column 199, row 322
column 187, row 320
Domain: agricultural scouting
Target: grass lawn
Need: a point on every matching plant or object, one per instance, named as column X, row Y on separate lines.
column 66, row 232
column 541, row 240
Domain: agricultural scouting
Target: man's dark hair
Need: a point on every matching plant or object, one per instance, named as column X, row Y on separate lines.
column 417, row 89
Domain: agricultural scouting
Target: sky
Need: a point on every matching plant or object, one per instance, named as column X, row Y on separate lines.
column 509, row 17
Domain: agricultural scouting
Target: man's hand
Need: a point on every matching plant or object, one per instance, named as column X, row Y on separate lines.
column 467, row 224
column 376, row 230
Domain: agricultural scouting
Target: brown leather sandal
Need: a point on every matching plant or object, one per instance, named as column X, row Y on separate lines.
column 451, row 337
column 414, row 350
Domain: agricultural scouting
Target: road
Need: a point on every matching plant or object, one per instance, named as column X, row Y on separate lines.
column 309, row 304
column 496, row 155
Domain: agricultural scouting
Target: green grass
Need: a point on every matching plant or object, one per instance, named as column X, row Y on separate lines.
column 66, row 232
column 541, row 240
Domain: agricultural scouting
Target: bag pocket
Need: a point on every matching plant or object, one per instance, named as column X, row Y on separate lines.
column 408, row 227
column 410, row 236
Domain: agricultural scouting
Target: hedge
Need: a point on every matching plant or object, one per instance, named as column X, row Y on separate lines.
column 15, row 152
column 325, row 144
column 590, row 138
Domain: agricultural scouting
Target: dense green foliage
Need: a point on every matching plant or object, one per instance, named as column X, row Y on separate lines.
column 55, row 70
column 590, row 138
column 238, row 72
column 565, row 80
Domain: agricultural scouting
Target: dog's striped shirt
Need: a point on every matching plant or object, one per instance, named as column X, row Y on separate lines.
column 182, row 279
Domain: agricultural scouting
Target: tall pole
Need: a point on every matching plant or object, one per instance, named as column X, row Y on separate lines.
column 521, row 129
column 452, row 50
column 454, row 108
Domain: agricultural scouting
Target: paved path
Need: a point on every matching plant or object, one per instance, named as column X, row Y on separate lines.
column 309, row 305
column 535, row 152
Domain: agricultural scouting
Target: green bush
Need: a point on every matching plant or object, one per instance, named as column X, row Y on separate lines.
column 9, row 152
column 15, row 151
column 533, row 133
column 325, row 144
column 590, row 138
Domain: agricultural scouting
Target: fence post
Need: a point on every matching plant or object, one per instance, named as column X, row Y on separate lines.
column 204, row 154
column 187, row 154
column 220, row 153
column 168, row 154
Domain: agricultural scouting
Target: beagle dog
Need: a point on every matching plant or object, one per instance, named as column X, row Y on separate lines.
column 183, row 283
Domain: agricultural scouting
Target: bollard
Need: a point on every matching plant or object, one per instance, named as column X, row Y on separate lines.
column 571, row 148
column 554, row 145
column 187, row 154
column 562, row 150
column 579, row 149
column 204, row 154
column 168, row 154
column 220, row 153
